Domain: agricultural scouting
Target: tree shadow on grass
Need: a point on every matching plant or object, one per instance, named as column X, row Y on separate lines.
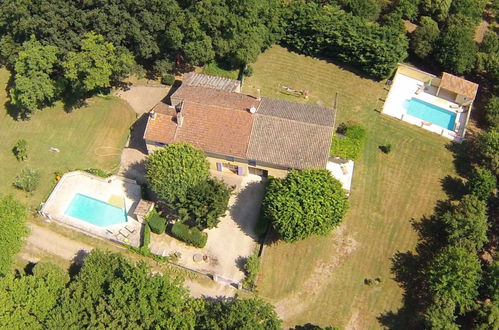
column 454, row 187
column 77, row 262
column 463, row 155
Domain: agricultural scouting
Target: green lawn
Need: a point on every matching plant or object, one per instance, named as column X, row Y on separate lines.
column 92, row 136
column 321, row 280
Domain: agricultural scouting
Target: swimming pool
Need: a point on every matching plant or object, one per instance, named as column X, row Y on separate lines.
column 94, row 211
column 431, row 113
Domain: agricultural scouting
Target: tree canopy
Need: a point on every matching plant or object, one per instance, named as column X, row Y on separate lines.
column 305, row 203
column 12, row 221
column 175, row 169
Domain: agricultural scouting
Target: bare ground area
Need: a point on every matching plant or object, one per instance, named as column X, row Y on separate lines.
column 143, row 98
column 231, row 242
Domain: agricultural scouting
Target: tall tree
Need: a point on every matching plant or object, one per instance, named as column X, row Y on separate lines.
column 305, row 203
column 12, row 221
column 424, row 37
column 175, row 169
column 95, row 65
column 437, row 9
column 454, row 275
column 34, row 84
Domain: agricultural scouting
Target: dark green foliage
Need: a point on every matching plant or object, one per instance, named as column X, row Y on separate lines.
column 204, row 203
column 12, row 221
column 492, row 112
column 251, row 269
column 351, row 144
column 367, row 9
column 168, row 79
column 21, row 150
column 454, row 276
column 34, row 85
column 456, row 50
column 466, row 224
column 488, row 58
column 27, row 301
column 156, row 222
column 424, row 37
column 407, row 8
column 437, row 9
column 305, row 203
column 387, row 148
column 491, row 281
column 191, row 236
column 470, row 8
column 175, row 169
column 28, row 180
column 487, row 316
column 248, row 71
column 326, row 30
column 481, row 183
column 253, row 313
column 110, row 292
column 440, row 315
column 488, row 149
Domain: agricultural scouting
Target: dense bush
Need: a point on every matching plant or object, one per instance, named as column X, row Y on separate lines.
column 191, row 236
column 175, row 169
column 251, row 269
column 21, row 150
column 424, row 37
column 492, row 110
column 28, row 180
column 488, row 149
column 168, row 79
column 12, row 221
column 407, row 8
column 204, row 204
column 156, row 222
column 305, row 203
column 326, row 30
column 481, row 183
column 351, row 144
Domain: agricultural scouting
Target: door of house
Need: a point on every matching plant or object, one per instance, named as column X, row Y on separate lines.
column 258, row 171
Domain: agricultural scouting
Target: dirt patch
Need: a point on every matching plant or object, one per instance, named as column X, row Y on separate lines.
column 480, row 31
column 296, row 303
column 143, row 98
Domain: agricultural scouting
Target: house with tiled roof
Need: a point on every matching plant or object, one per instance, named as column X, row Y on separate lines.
column 241, row 133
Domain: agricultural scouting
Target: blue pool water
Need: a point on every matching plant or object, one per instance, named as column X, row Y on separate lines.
column 94, row 211
column 431, row 113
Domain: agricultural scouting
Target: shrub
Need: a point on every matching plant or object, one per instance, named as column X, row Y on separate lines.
column 350, row 146
column 492, row 111
column 174, row 169
column 386, row 148
column 305, row 203
column 146, row 238
column 191, row 236
column 156, row 222
column 168, row 79
column 20, row 150
column 248, row 71
column 205, row 203
column 251, row 268
column 27, row 180
column 98, row 172
column 481, row 183
column 13, row 223
column 488, row 150
column 424, row 37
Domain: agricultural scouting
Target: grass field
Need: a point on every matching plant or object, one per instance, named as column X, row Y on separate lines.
column 92, row 136
column 321, row 280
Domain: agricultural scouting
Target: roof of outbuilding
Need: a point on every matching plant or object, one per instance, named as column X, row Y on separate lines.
column 289, row 143
column 458, row 85
column 305, row 113
column 203, row 80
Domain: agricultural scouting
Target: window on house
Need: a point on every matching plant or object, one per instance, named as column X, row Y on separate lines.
column 252, row 162
column 229, row 158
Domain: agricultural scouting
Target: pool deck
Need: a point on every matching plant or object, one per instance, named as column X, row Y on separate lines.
column 71, row 183
column 405, row 88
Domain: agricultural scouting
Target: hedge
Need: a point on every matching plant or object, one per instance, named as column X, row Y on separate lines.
column 147, row 236
column 350, row 146
column 156, row 222
column 191, row 236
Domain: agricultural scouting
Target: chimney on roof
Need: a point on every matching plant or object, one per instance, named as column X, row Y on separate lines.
column 180, row 115
column 152, row 114
column 258, row 96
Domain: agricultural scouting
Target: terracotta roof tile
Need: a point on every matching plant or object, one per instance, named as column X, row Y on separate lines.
column 458, row 85
column 160, row 129
column 216, row 97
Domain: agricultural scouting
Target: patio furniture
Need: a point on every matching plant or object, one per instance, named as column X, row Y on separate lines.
column 131, row 230
column 124, row 233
